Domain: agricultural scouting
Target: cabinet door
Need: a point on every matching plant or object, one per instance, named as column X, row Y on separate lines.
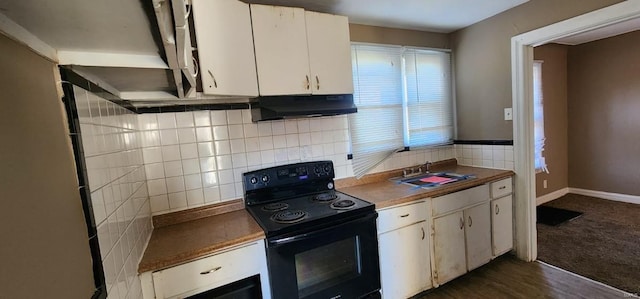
column 282, row 59
column 329, row 53
column 478, row 235
column 449, row 247
column 502, row 224
column 404, row 261
column 225, row 47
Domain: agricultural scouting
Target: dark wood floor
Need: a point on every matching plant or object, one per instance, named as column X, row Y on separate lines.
column 508, row 277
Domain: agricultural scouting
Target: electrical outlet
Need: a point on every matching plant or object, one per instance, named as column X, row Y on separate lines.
column 544, row 184
column 508, row 113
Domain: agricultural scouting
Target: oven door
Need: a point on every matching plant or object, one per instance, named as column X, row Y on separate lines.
column 340, row 261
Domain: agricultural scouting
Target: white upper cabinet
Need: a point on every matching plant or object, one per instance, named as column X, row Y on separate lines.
column 282, row 59
column 329, row 53
column 225, row 47
column 300, row 52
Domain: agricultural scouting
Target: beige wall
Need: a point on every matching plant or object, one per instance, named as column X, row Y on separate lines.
column 554, row 86
column 383, row 35
column 45, row 248
column 604, row 115
column 482, row 55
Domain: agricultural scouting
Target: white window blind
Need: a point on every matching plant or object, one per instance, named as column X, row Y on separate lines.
column 404, row 99
column 377, row 127
column 538, row 118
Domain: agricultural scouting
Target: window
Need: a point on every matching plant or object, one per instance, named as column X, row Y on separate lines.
column 404, row 100
column 538, row 118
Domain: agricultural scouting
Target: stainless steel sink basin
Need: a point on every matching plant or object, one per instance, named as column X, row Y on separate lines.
column 432, row 179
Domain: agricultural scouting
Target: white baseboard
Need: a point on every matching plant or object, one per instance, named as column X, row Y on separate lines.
column 607, row 195
column 551, row 196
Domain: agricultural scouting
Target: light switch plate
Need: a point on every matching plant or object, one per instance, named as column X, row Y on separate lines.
column 508, row 113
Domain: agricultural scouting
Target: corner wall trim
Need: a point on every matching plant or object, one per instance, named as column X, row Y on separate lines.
column 551, row 196
column 607, row 195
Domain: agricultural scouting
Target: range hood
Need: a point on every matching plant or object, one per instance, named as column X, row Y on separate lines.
column 284, row 107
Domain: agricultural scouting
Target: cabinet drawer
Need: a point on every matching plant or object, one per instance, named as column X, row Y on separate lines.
column 209, row 272
column 458, row 200
column 400, row 216
column 501, row 188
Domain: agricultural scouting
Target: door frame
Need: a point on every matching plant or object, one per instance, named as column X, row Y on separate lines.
column 522, row 97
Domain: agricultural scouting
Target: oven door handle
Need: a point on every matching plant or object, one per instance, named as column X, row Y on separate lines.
column 315, row 233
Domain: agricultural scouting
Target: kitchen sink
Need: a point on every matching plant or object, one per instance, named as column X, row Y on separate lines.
column 431, row 180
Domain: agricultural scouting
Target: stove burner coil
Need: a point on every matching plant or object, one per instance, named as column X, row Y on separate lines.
column 343, row 204
column 327, row 196
column 288, row 216
column 276, row 206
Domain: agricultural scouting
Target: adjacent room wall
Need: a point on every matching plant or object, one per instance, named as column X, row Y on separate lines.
column 45, row 247
column 403, row 37
column 604, row 122
column 554, row 90
column 482, row 58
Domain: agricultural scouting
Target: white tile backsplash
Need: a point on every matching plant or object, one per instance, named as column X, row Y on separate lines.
column 490, row 156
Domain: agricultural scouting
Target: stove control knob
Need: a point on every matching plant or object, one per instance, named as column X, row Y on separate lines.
column 317, row 169
column 254, row 180
column 265, row 178
column 330, row 186
column 327, row 168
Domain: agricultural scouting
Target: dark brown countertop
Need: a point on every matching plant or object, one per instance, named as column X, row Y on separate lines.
column 176, row 244
column 384, row 193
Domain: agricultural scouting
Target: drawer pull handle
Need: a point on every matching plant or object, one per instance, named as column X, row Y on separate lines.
column 308, row 82
column 497, row 209
column 405, row 215
column 461, row 223
column 470, row 221
column 317, row 82
column 503, row 187
column 423, row 234
column 210, row 271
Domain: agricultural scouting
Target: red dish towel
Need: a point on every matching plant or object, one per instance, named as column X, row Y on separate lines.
column 437, row 180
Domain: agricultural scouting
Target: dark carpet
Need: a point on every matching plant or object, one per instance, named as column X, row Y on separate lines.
column 554, row 216
column 603, row 244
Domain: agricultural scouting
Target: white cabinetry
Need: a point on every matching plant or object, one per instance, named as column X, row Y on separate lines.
column 403, row 239
column 501, row 216
column 462, row 232
column 300, row 52
column 209, row 273
column 225, row 47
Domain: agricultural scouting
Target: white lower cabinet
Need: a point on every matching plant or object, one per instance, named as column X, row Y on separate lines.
column 449, row 247
column 209, row 273
column 502, row 225
column 404, row 248
column 478, row 235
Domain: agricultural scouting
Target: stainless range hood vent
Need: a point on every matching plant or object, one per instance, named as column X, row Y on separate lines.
column 285, row 107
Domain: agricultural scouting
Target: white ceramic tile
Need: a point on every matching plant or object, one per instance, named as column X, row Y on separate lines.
column 246, row 116
column 317, row 150
column 315, row 125
column 316, row 138
column 209, row 179
column 303, row 126
column 159, row 203
column 156, row 187
column 467, row 153
column 250, row 130
column 477, row 154
column 264, row 129
column 227, row 192
column 188, row 151
column 218, row 117
column 267, row 156
column 193, row 181
column 207, row 164
column 171, row 153
column 291, row 126
column 237, row 173
column 239, row 160
column 498, row 154
column 177, row 200
column 166, row 121
column 148, row 121
column 195, row 197
column 234, row 117
column 237, row 146
column 499, row 164
column 211, row 194
column 235, row 131
column 328, row 149
column 187, row 135
column 293, row 153
column 191, row 166
column 343, row 148
column 252, row 144
column 154, row 171
column 99, row 210
column 266, row 143
column 168, row 137
column 220, row 132
column 223, row 147
column 175, row 184
column 202, row 118
column 152, row 155
column 508, row 155
column 305, row 153
column 277, row 127
column 254, row 159
column 206, row 149
column 150, row 138
column 304, row 139
column 173, row 168
column 225, row 176
column 239, row 190
column 104, row 239
column 292, row 140
column 184, row 119
column 487, row 154
column 224, row 162
column 279, row 141
column 203, row 134
column 281, row 155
